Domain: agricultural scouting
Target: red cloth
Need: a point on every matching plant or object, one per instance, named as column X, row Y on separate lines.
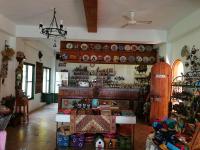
column 92, row 124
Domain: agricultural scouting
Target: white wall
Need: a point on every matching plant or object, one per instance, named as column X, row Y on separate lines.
column 31, row 49
column 185, row 32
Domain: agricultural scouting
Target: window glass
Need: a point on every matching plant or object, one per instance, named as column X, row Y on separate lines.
column 28, row 80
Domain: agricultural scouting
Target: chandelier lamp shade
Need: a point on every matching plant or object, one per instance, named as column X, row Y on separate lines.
column 54, row 30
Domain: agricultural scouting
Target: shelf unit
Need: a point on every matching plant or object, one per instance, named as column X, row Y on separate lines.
column 185, row 102
column 75, row 55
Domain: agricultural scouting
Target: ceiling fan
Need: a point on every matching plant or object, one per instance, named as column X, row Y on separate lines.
column 131, row 20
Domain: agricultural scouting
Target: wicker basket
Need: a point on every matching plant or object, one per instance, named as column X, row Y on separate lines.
column 4, row 121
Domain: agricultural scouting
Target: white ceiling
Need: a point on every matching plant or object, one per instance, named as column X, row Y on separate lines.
column 163, row 13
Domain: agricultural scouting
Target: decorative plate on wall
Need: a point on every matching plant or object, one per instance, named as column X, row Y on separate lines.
column 133, row 47
column 92, row 46
column 116, row 59
column 127, row 47
column 123, row 59
column 121, row 47
column 141, row 48
column 97, row 47
column 106, row 47
column 84, row 46
column 100, row 57
column 69, row 45
column 85, row 57
column 114, row 47
column 149, row 48
column 139, row 59
column 152, row 59
column 145, row 59
column 107, row 58
column 131, row 59
column 93, row 58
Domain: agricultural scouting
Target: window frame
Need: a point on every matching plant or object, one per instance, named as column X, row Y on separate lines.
column 33, row 80
column 46, row 79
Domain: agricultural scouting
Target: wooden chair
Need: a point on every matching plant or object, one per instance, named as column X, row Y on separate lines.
column 22, row 107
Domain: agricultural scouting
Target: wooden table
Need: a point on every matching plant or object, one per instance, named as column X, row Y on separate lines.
column 64, row 118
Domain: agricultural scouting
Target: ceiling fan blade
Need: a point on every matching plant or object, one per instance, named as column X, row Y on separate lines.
column 126, row 17
column 125, row 25
column 143, row 22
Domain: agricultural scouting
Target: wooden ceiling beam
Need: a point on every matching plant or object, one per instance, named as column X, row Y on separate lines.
column 90, row 7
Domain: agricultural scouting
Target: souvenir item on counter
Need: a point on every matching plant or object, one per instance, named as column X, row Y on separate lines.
column 84, row 46
column 106, row 47
column 127, row 47
column 134, row 47
column 97, row 47
column 114, row 47
column 77, row 140
column 149, row 48
column 122, row 59
column 99, row 142
column 93, row 58
column 95, row 103
column 141, row 48
column 131, row 59
column 85, row 123
column 85, row 57
column 121, row 47
column 125, row 142
column 69, row 46
column 107, row 58
column 116, row 59
column 89, row 137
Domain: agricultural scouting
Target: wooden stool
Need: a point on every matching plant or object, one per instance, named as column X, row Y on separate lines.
column 22, row 107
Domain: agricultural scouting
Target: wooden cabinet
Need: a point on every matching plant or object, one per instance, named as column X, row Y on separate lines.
column 100, row 93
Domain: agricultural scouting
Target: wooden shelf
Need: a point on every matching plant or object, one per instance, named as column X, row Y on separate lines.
column 76, row 55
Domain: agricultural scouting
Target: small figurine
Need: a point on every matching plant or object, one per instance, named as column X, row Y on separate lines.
column 99, row 143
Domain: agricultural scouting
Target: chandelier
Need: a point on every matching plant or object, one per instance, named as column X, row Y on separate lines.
column 54, row 30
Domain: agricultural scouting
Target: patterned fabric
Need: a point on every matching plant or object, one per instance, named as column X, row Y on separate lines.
column 92, row 124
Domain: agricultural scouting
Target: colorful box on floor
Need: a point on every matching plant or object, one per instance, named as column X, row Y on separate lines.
column 62, row 140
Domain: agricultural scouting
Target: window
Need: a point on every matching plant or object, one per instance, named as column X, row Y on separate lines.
column 61, row 78
column 177, row 69
column 28, row 80
column 46, row 80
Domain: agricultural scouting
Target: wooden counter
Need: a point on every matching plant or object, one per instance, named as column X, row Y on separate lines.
column 101, row 93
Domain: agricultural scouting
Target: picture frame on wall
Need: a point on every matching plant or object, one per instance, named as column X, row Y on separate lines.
column 65, row 103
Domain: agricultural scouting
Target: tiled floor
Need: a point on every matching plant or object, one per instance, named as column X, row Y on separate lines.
column 39, row 134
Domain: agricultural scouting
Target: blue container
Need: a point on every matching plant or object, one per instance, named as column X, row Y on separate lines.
column 62, row 140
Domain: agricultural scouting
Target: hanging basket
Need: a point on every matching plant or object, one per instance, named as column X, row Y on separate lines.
column 7, row 54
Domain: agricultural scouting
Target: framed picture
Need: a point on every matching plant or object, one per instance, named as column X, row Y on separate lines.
column 65, row 103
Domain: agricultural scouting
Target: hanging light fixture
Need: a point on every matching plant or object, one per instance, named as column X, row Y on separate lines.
column 54, row 30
